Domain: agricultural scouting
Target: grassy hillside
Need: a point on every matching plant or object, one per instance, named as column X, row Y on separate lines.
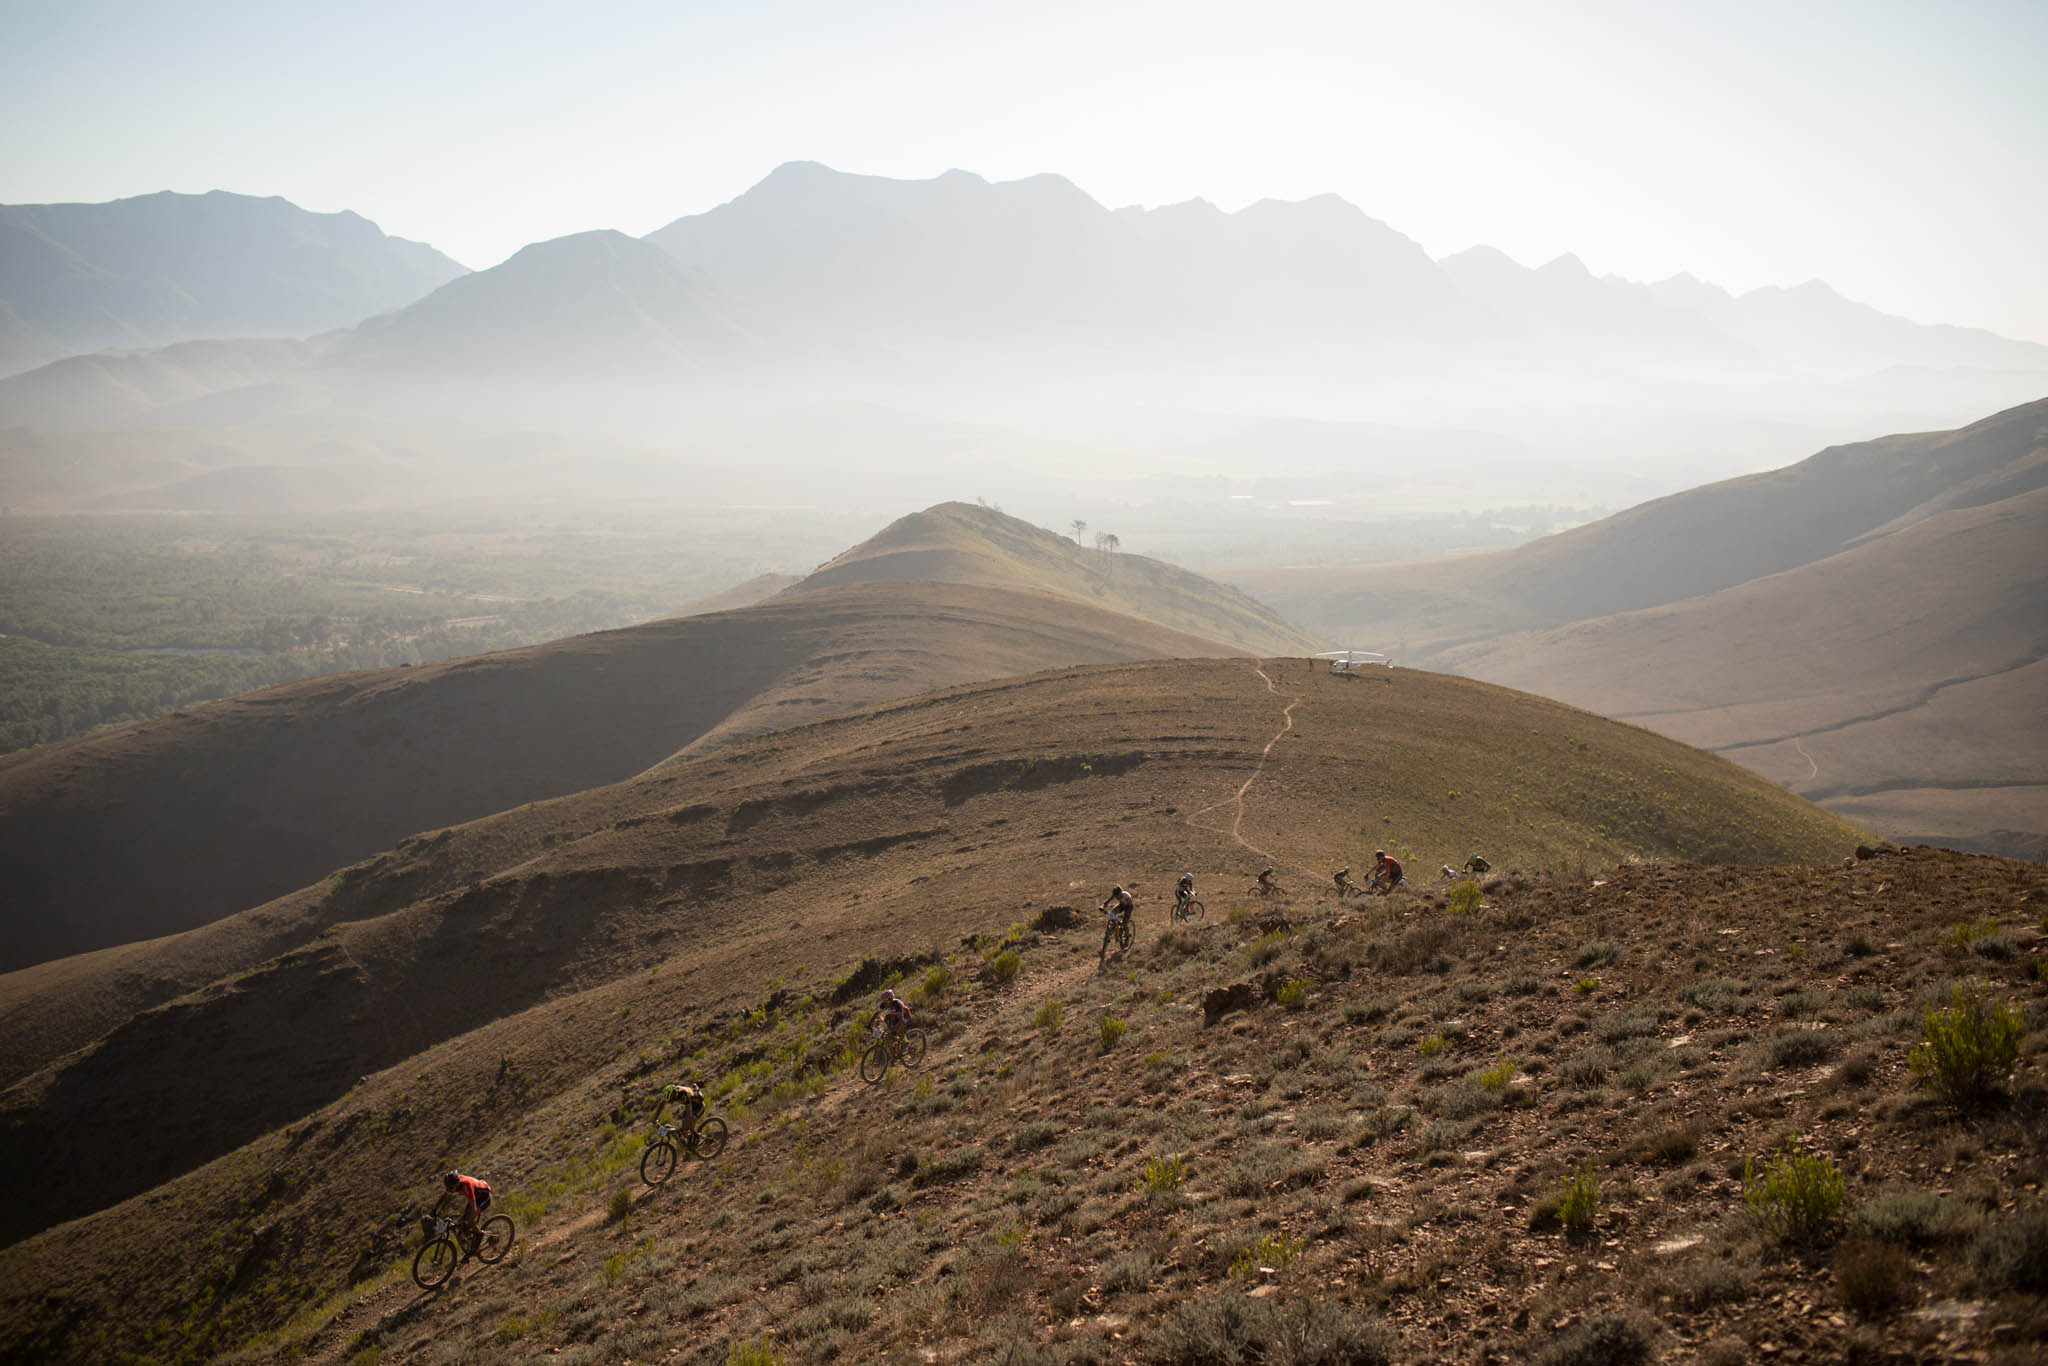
column 897, row 828
column 964, row 543
column 1376, row 1138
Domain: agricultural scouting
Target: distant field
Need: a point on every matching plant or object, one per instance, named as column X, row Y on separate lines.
column 111, row 619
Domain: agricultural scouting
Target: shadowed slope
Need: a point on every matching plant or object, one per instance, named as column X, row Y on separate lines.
column 229, row 804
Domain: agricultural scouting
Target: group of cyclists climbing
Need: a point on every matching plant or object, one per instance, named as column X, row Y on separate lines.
column 477, row 1233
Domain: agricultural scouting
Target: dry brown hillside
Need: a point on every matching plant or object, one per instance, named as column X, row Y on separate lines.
column 1535, row 1120
column 225, row 805
column 887, row 830
column 1868, row 627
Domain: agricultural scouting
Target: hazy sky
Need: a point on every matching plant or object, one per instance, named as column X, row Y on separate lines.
column 1898, row 150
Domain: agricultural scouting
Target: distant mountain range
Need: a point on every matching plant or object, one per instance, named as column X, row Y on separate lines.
column 1868, row 626
column 816, row 283
column 165, row 268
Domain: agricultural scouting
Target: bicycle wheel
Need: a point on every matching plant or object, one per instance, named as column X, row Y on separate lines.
column 1196, row 910
column 874, row 1064
column 912, row 1052
column 495, row 1240
column 434, row 1263
column 710, row 1139
column 658, row 1163
column 1123, row 936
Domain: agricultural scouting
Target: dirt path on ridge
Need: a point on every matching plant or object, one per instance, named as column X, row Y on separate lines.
column 1236, row 830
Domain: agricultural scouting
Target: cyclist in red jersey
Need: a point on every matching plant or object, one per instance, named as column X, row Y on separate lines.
column 1386, row 872
column 475, row 1195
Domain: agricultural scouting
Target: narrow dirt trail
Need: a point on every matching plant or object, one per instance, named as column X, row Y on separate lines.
column 1236, row 830
column 1808, row 757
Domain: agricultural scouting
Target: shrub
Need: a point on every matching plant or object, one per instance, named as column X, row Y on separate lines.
column 1586, row 986
column 1431, row 1045
column 1130, row 1271
column 1801, row 1048
column 1292, row 995
column 619, row 1205
column 1047, row 1016
column 1608, row 1340
column 1223, row 1330
column 936, row 981
column 1496, row 1078
column 1005, row 966
column 1798, row 1197
column 1969, row 1047
column 1918, row 1218
column 1108, row 1030
column 2012, row 1253
column 1578, row 1203
column 1588, row 1066
column 1267, row 947
column 1274, row 1250
column 1162, row 1175
column 1637, row 1022
column 1464, row 899
column 1872, row 1277
column 754, row 1353
column 1036, row 1134
column 1597, row 953
column 1669, row 1147
column 948, row 1166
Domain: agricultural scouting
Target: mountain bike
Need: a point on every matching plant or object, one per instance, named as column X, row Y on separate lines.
column 1188, row 908
column 888, row 1049
column 1117, row 931
column 449, row 1245
column 658, row 1163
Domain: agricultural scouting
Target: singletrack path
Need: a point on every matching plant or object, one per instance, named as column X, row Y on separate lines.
column 1236, row 830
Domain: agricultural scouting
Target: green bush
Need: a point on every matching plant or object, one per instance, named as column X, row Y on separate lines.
column 619, row 1205
column 1918, row 1218
column 1108, row 1030
column 1050, row 1010
column 1968, row 1047
column 1162, row 1175
column 1496, row 1078
column 1578, row 1203
column 1798, row 1197
column 1292, row 995
column 1464, row 899
column 1005, row 966
column 755, row 1353
column 1274, row 1250
column 936, row 982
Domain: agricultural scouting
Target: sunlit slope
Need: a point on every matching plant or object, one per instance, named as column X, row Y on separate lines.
column 904, row 825
column 1689, row 544
column 965, row 543
column 225, row 805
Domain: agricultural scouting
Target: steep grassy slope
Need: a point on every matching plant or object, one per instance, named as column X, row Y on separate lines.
column 963, row 543
column 893, row 828
column 225, row 805
column 1389, row 1140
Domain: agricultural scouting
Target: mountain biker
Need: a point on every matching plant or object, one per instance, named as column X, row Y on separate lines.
column 1119, row 906
column 689, row 1103
column 892, row 1012
column 1386, row 872
column 1266, row 886
column 1184, row 892
column 1345, row 886
column 475, row 1194
column 1477, row 865
column 1450, row 873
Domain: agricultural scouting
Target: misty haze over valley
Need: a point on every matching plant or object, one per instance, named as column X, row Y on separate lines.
column 569, row 595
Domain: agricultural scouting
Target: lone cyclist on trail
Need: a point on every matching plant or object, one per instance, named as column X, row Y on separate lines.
column 689, row 1102
column 1119, row 906
column 475, row 1195
column 893, row 1013
column 1184, row 891
column 1386, row 872
column 1266, row 886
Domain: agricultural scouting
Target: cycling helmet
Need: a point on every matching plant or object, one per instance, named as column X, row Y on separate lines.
column 1116, row 889
column 1379, row 853
column 448, row 1180
column 888, row 993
